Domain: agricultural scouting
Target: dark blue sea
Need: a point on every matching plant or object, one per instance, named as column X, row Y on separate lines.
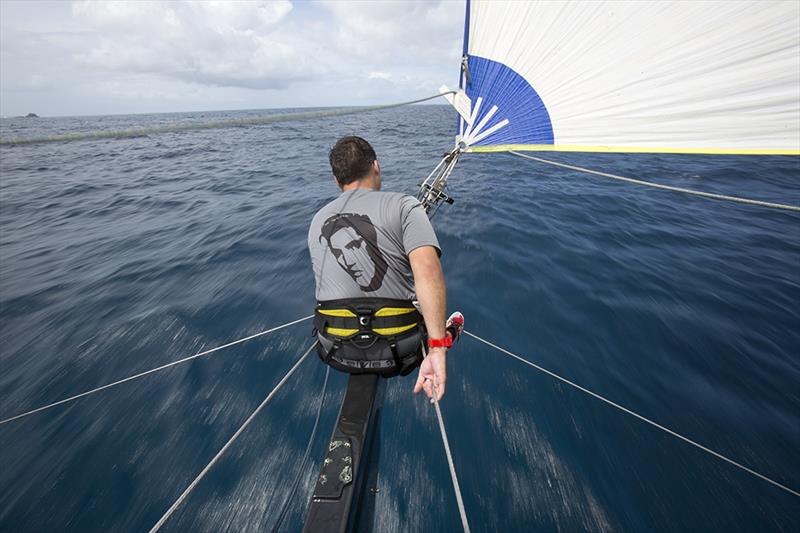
column 117, row 256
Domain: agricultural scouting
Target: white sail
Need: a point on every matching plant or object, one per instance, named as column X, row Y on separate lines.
column 695, row 77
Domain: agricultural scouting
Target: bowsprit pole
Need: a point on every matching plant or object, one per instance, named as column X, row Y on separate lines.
column 432, row 190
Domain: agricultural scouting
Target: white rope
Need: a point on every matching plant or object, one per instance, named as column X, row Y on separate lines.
column 239, row 431
column 660, row 186
column 229, row 123
column 453, row 476
column 301, row 469
column 637, row 415
column 146, row 372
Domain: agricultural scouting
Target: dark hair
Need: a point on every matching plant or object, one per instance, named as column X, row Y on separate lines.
column 351, row 158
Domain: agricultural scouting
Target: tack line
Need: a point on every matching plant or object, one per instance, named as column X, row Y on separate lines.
column 451, row 465
column 229, row 123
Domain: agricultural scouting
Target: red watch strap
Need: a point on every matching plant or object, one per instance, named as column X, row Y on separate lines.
column 446, row 342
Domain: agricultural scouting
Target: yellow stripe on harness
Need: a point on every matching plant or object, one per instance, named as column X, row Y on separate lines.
column 393, row 331
column 394, row 311
column 341, row 332
column 337, row 312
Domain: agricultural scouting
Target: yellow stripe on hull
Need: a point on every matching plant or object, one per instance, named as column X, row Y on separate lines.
column 625, row 149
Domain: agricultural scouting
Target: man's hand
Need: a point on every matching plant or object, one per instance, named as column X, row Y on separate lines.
column 431, row 293
column 433, row 371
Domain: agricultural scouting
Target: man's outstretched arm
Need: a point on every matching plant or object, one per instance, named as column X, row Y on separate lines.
column 432, row 296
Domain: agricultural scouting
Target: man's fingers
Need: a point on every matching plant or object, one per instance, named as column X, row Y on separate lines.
column 421, row 377
column 431, row 381
column 428, row 386
column 439, row 390
column 418, row 385
column 440, row 378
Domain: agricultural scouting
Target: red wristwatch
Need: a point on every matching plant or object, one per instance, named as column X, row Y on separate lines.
column 446, row 342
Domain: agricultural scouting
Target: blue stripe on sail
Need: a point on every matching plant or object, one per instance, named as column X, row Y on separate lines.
column 466, row 30
column 516, row 100
column 460, row 64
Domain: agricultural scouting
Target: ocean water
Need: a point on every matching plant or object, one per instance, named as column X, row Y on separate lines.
column 117, row 256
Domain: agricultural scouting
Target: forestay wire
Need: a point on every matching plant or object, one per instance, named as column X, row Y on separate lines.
column 710, row 195
column 229, row 123
column 636, row 415
column 152, row 370
column 228, row 444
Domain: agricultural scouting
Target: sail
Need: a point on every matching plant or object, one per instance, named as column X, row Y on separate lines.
column 663, row 76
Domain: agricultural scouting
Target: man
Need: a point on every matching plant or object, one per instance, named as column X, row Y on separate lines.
column 375, row 255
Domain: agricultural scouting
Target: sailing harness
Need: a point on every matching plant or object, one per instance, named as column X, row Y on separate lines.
column 370, row 335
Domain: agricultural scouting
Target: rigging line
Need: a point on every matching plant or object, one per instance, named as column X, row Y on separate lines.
column 453, row 476
column 228, row 444
column 235, row 122
column 636, row 415
column 664, row 187
column 306, row 454
column 146, row 372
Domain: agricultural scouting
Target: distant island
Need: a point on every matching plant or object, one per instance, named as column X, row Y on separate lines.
column 31, row 115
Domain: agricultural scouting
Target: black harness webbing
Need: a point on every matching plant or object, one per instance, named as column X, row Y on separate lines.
column 370, row 335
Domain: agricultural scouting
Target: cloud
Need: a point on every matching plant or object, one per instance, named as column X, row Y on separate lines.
column 258, row 44
column 237, row 44
column 154, row 56
column 419, row 31
column 378, row 75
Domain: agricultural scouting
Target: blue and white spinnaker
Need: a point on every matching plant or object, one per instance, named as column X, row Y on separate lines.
column 619, row 76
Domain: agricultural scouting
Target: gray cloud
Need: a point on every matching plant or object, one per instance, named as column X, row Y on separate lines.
column 149, row 56
column 237, row 44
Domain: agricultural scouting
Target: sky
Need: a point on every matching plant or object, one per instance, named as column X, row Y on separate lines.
column 118, row 57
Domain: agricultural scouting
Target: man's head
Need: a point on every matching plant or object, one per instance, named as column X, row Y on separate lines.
column 353, row 160
column 353, row 241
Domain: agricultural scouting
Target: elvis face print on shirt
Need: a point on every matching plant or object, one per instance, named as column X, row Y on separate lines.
column 353, row 241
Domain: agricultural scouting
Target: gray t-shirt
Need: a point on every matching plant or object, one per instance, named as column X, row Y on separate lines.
column 359, row 245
